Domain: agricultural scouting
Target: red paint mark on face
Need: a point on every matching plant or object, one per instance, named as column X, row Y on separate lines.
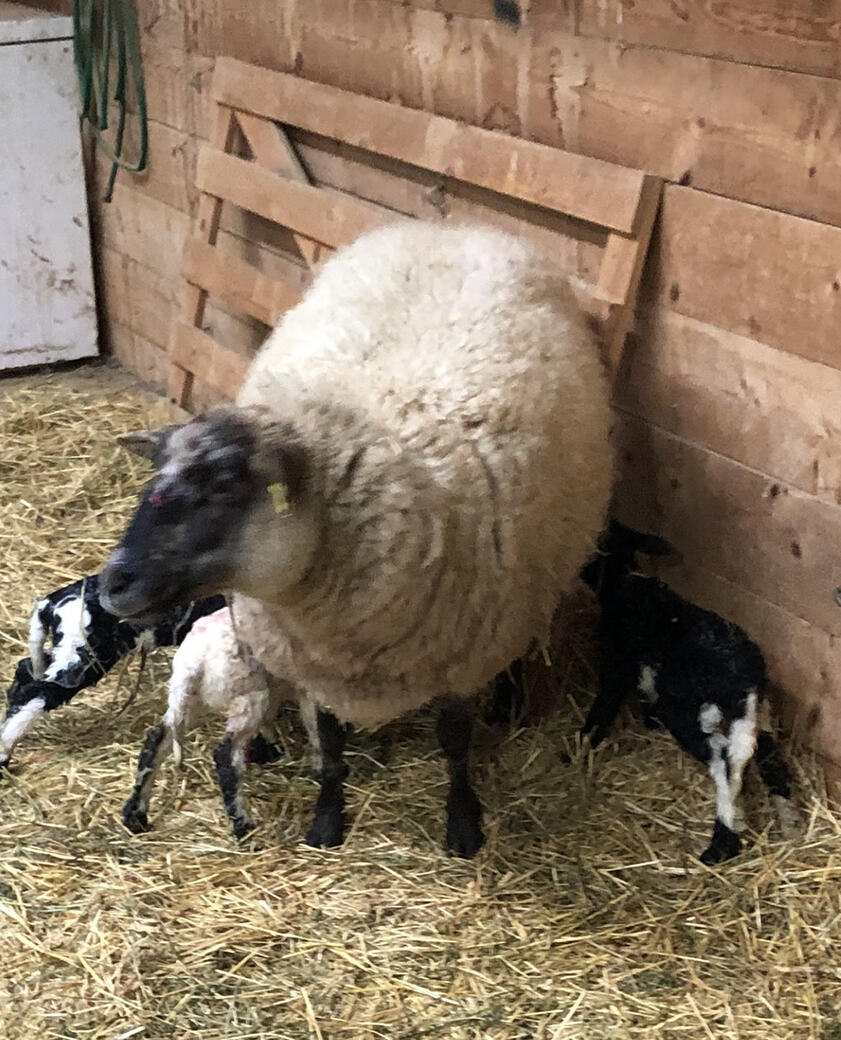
column 156, row 500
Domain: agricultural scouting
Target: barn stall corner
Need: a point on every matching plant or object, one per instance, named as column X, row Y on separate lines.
column 677, row 169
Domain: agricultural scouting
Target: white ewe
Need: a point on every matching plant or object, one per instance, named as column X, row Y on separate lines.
column 417, row 467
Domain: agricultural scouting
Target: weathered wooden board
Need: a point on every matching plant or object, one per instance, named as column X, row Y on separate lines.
column 764, row 275
column 762, row 135
column 604, row 195
column 758, row 533
column 275, row 185
column 802, row 35
column 771, row 410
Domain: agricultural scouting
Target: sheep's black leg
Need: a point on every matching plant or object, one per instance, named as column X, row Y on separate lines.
column 614, row 686
column 262, row 751
column 507, row 700
column 230, row 766
column 328, row 826
column 464, row 810
column 155, row 748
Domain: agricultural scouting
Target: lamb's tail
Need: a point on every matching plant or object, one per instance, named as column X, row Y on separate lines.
column 37, row 638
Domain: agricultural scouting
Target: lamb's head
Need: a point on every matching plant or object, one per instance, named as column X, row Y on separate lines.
column 616, row 556
column 226, row 509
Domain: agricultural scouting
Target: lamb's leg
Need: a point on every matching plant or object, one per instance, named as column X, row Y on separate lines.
column 777, row 779
column 702, row 738
column 156, row 747
column 725, row 842
column 328, row 826
column 464, row 810
column 229, row 757
column 614, row 686
column 19, row 719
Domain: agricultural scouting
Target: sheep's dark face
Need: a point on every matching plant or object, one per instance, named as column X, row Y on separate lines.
column 187, row 538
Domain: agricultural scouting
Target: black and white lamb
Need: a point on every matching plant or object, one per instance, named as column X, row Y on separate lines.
column 700, row 676
column 73, row 643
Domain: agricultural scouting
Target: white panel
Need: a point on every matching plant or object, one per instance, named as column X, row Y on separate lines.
column 20, row 23
column 47, row 310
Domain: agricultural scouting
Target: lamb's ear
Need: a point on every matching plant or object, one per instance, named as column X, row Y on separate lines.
column 146, row 443
column 639, row 541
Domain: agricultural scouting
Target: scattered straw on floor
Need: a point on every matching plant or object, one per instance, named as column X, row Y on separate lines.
column 587, row 915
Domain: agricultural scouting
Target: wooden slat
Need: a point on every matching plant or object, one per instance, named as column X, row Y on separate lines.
column 314, row 212
column 795, row 34
column 621, row 272
column 199, row 354
column 774, row 412
column 768, row 276
column 209, row 214
column 236, row 282
column 745, row 526
column 590, row 190
column 272, row 148
column 765, row 136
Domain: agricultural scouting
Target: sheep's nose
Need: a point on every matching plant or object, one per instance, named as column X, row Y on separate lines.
column 117, row 577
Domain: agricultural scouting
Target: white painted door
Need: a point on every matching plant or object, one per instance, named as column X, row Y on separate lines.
column 47, row 310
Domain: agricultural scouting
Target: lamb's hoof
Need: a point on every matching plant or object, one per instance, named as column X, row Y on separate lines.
column 725, row 845
column 464, row 825
column 242, row 828
column 135, row 820
column 327, row 831
column 262, row 751
column 595, row 735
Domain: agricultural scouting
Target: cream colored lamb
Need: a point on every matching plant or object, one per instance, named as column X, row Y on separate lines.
column 416, row 468
column 210, row 670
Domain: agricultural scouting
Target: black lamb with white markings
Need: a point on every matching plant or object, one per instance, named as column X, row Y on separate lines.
column 700, row 676
column 85, row 642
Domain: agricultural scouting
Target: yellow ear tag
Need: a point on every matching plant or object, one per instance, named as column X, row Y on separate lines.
column 279, row 499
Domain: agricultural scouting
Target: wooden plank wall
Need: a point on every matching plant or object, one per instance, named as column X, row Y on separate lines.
column 730, row 421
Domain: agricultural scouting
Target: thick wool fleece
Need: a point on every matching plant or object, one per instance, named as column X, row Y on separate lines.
column 455, row 413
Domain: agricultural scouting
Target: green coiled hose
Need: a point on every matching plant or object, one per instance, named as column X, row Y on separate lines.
column 104, row 30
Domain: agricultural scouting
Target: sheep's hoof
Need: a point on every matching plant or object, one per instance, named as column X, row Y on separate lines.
column 242, row 828
column 725, row 845
column 464, row 824
column 135, row 820
column 327, row 831
column 262, row 751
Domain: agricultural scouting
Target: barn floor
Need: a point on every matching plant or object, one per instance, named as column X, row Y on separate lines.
column 587, row 915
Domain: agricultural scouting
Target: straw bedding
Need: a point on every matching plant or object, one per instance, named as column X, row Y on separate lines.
column 587, row 915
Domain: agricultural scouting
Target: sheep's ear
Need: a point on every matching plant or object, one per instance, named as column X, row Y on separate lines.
column 146, row 443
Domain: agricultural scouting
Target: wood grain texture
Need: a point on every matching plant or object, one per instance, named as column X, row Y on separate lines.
column 791, row 34
column 327, row 217
column 757, row 533
column 239, row 284
column 768, row 276
column 765, row 136
column 577, row 185
column 770, row 410
column 196, row 352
